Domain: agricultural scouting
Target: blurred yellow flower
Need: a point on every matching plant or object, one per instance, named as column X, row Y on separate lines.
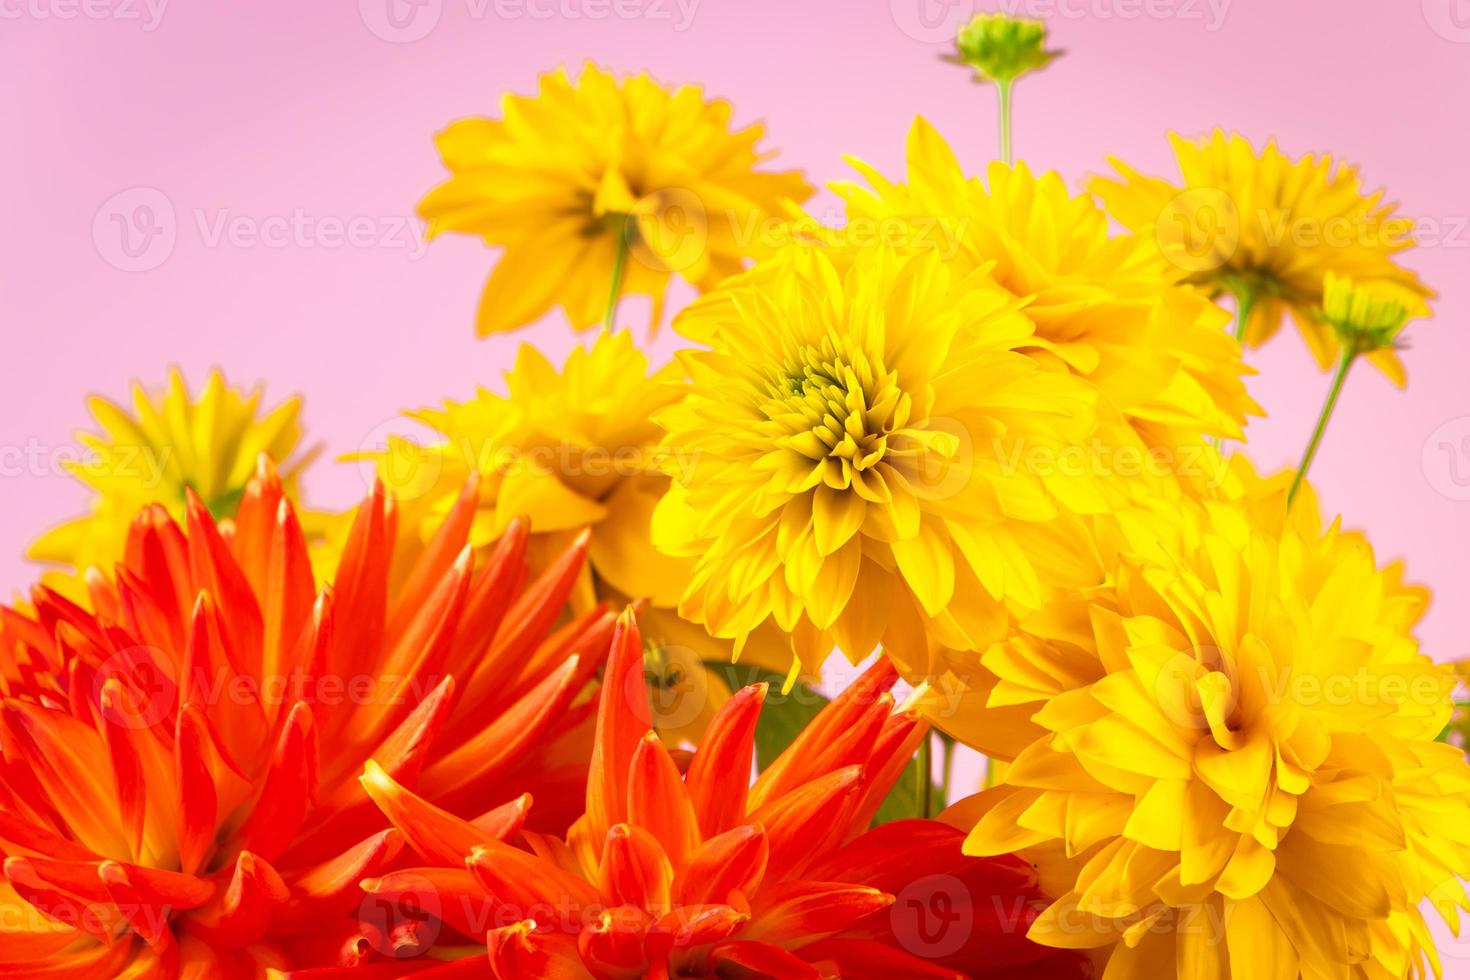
column 1268, row 229
column 171, row 442
column 1106, row 306
column 575, row 450
column 601, row 179
column 1234, row 741
column 865, row 457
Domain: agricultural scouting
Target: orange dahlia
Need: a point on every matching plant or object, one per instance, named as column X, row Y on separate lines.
column 701, row 873
column 178, row 769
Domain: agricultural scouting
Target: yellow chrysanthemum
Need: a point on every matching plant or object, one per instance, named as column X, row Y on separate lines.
column 563, row 174
column 864, row 456
column 1268, row 229
column 575, row 450
column 1105, row 305
column 1234, row 742
column 170, row 443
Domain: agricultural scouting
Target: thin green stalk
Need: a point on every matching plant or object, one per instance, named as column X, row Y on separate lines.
column 1348, row 356
column 926, row 778
column 1005, row 121
column 948, row 764
column 620, row 262
column 1244, row 300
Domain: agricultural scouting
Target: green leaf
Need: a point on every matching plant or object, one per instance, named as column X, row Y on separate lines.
column 785, row 715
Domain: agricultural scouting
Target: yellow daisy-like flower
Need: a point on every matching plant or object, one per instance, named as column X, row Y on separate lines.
column 575, row 450
column 1105, row 305
column 171, row 442
column 865, row 456
column 1234, row 742
column 565, row 178
column 1267, row 229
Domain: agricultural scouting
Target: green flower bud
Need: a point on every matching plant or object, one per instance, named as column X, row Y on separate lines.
column 1364, row 317
column 1002, row 48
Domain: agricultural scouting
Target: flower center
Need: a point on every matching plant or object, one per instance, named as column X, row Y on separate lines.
column 838, row 403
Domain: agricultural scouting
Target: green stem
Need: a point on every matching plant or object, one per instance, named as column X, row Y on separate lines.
column 1005, row 121
column 1244, row 300
column 926, row 777
column 948, row 763
column 620, row 262
column 1348, row 356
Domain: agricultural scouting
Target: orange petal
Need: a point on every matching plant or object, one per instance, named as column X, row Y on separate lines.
column 798, row 912
column 732, row 862
column 437, row 558
column 289, row 789
column 522, row 951
column 523, row 881
column 658, row 802
column 614, row 942
column 288, row 590
column 718, row 780
column 198, row 802
column 805, row 824
column 216, row 571
column 635, row 870
column 623, row 717
column 793, row 766
column 764, row 959
column 330, row 890
column 241, row 913
column 440, row 837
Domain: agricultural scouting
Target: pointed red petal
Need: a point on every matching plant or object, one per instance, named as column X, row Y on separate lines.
column 241, row 913
column 440, row 837
column 718, row 780
column 734, row 861
column 288, row 791
column 623, row 717
column 658, row 802
column 635, row 870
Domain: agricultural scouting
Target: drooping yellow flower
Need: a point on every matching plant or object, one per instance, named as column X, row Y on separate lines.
column 1268, row 229
column 1234, row 741
column 865, row 456
column 1106, row 305
column 171, row 442
column 563, row 174
column 571, row 450
column 1367, row 319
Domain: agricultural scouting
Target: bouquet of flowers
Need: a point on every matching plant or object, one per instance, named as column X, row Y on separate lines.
column 923, row 617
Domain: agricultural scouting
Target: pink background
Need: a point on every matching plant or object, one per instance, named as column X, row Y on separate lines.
column 272, row 109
